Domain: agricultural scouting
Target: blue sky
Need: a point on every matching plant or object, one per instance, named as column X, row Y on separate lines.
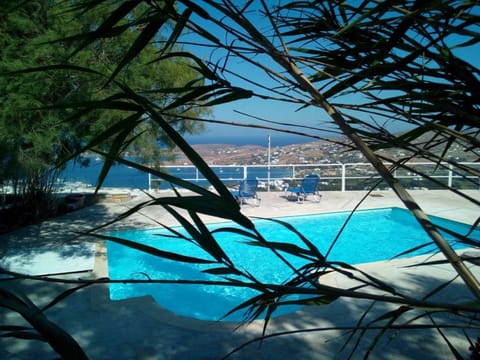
column 249, row 111
column 277, row 111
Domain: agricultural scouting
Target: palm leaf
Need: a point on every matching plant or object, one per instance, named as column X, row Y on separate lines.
column 232, row 95
column 150, row 30
column 390, row 317
column 180, row 23
column 313, row 249
column 291, row 249
column 107, row 28
column 64, row 295
column 26, row 334
column 115, row 148
column 152, row 250
column 223, row 271
column 208, row 242
column 14, row 299
column 373, row 280
column 191, row 154
column 200, row 66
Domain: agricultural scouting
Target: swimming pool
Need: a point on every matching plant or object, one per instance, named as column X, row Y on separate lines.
column 371, row 235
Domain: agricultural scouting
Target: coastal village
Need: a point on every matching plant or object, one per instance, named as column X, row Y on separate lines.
column 317, row 152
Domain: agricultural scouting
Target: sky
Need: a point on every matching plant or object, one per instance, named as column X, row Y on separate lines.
column 251, row 110
column 282, row 113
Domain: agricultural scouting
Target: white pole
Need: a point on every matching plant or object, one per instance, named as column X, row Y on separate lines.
column 268, row 167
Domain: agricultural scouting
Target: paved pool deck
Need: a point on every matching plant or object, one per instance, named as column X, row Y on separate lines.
column 140, row 329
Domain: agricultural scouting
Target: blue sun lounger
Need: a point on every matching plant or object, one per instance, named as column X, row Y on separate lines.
column 247, row 191
column 308, row 187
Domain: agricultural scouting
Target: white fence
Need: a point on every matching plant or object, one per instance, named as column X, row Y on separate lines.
column 338, row 176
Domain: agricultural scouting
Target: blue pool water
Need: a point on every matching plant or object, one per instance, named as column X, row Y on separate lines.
column 371, row 235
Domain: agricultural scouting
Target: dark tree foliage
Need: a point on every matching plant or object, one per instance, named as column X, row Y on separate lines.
column 39, row 129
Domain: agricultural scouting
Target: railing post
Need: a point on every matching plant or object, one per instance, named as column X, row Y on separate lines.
column 149, row 182
column 245, row 171
column 343, row 177
column 450, row 175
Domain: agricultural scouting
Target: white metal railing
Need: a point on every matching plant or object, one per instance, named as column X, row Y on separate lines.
column 345, row 174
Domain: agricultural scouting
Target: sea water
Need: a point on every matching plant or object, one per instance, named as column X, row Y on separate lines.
column 122, row 176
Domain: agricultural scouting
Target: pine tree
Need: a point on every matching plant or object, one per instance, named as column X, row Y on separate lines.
column 38, row 129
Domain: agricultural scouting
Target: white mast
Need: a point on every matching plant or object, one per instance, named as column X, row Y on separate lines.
column 268, row 167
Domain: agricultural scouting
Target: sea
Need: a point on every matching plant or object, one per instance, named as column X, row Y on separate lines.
column 76, row 176
column 256, row 138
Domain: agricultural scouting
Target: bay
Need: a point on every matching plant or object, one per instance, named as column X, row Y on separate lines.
column 121, row 176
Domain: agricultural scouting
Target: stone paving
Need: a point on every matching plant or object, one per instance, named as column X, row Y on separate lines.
column 140, row 329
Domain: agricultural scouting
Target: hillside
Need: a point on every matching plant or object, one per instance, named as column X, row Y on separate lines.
column 316, row 152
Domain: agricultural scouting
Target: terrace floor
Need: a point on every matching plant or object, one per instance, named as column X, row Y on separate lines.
column 140, row 329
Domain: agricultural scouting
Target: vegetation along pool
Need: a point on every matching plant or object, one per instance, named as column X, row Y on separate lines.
column 371, row 235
